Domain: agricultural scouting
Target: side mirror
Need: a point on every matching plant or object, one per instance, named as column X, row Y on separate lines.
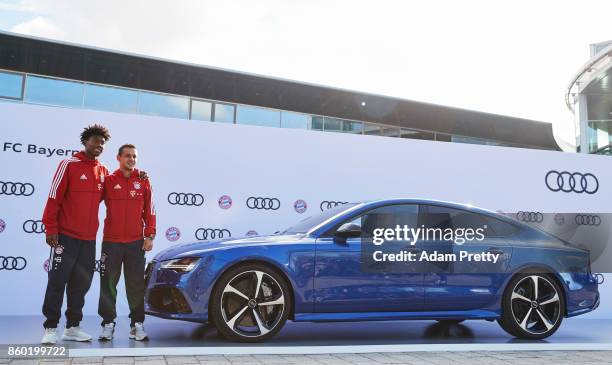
column 347, row 230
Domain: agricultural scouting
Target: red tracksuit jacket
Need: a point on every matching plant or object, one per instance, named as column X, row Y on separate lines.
column 74, row 198
column 129, row 208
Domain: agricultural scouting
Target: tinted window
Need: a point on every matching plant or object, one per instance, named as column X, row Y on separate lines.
column 10, row 85
column 257, row 116
column 224, row 113
column 294, row 120
column 500, row 228
column 409, row 133
column 306, row 224
column 353, row 127
column 201, row 110
column 333, row 125
column 388, row 216
column 433, row 216
column 371, row 129
column 317, row 123
column 41, row 90
column 111, row 99
column 163, row 105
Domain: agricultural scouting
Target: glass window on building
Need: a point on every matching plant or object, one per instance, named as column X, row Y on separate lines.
column 389, row 132
column 371, row 129
column 409, row 133
column 599, row 134
column 332, row 125
column 163, row 105
column 224, row 113
column 353, row 127
column 10, row 85
column 110, row 99
column 443, row 137
column 317, row 123
column 295, row 120
column 463, row 139
column 258, row 116
column 599, row 111
column 47, row 91
column 201, row 110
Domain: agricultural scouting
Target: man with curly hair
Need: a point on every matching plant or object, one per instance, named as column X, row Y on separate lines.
column 71, row 223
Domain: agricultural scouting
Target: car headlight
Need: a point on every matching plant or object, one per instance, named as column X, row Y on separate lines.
column 184, row 264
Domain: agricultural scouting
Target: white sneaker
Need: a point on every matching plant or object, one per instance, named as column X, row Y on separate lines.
column 75, row 334
column 50, row 337
column 138, row 333
column 107, row 332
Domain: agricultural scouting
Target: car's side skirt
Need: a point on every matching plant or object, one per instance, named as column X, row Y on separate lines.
column 389, row 316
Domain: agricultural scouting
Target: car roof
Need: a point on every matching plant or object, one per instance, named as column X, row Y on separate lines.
column 366, row 205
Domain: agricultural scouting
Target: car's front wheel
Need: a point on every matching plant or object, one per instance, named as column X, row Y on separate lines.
column 250, row 303
column 532, row 306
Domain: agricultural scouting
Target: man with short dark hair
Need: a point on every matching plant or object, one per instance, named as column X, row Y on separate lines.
column 71, row 223
column 129, row 230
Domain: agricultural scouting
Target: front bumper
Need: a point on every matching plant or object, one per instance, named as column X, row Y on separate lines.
column 174, row 295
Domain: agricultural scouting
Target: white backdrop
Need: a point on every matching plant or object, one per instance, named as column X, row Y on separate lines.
column 242, row 161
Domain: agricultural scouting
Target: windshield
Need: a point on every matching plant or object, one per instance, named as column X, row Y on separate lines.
column 307, row 224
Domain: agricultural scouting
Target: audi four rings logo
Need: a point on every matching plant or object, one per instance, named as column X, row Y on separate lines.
column 328, row 204
column 530, row 217
column 186, row 199
column 12, row 263
column 32, row 226
column 569, row 182
column 587, row 220
column 16, row 188
column 202, row 234
column 263, row 203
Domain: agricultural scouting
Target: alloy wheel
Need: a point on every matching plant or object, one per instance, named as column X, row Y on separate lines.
column 535, row 304
column 252, row 303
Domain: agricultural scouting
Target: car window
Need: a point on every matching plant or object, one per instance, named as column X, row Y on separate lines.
column 306, row 224
column 388, row 216
column 434, row 216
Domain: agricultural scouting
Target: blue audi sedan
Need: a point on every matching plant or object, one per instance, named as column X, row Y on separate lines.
column 326, row 268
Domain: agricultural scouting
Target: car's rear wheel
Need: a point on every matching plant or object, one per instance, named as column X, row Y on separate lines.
column 532, row 307
column 250, row 303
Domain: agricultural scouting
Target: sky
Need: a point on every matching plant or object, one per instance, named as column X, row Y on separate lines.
column 505, row 57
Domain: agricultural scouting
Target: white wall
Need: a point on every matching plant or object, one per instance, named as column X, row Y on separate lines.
column 242, row 161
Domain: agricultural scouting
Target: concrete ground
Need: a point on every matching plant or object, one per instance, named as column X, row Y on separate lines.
column 411, row 358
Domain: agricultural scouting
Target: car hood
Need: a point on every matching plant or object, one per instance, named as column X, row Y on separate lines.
column 202, row 247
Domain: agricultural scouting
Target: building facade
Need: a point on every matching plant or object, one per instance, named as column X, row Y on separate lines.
column 589, row 97
column 39, row 71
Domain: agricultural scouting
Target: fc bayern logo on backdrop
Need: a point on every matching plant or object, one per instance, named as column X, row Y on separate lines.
column 300, row 206
column 173, row 234
column 251, row 233
column 225, row 202
column 2, row 225
column 46, row 265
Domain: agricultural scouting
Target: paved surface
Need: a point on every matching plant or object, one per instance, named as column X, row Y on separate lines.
column 412, row 358
column 165, row 333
